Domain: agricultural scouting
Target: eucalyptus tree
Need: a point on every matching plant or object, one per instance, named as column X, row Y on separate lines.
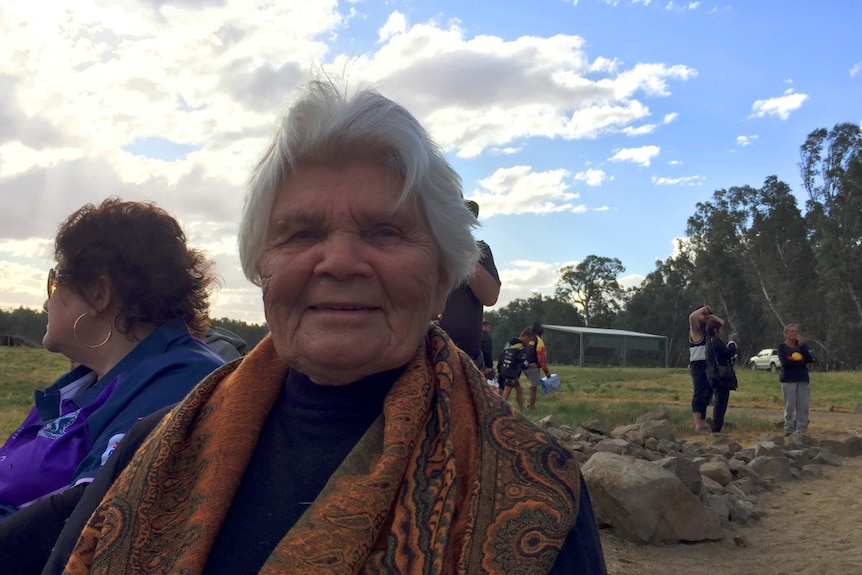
column 752, row 256
column 715, row 237
column 592, row 287
column 831, row 169
column 662, row 303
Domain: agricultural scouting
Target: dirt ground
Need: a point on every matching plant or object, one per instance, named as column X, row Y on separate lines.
column 810, row 527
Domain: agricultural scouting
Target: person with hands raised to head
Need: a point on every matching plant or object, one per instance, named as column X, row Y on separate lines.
column 701, row 388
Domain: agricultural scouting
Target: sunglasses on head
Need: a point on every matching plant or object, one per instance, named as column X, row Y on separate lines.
column 55, row 278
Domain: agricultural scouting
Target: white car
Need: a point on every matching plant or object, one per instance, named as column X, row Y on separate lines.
column 765, row 359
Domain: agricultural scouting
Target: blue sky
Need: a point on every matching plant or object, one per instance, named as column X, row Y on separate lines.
column 586, row 127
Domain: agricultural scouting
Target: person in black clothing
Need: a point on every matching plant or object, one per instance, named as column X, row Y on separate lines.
column 513, row 360
column 717, row 353
column 462, row 316
column 487, row 351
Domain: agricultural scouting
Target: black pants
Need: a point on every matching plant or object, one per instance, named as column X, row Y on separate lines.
column 701, row 390
column 722, row 396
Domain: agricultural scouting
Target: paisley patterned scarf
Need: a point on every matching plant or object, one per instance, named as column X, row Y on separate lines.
column 449, row 481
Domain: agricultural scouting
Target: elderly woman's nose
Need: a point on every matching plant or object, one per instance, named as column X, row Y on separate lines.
column 342, row 255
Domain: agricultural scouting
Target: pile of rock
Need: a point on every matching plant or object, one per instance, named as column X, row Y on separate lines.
column 650, row 487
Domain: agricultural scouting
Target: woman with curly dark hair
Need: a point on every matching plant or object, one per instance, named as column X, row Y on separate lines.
column 122, row 300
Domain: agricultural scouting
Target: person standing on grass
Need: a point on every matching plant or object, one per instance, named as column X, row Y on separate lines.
column 701, row 389
column 512, row 361
column 719, row 353
column 794, row 357
column 537, row 344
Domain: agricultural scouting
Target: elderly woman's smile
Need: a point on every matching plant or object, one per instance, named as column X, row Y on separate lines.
column 350, row 277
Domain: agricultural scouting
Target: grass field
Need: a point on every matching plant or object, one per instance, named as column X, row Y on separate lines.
column 615, row 395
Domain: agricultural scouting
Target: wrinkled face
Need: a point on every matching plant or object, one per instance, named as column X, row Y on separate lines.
column 350, row 282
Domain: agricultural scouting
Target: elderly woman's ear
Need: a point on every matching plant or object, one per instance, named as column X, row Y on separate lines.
column 100, row 294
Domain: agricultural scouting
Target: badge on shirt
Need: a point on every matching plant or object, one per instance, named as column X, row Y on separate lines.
column 56, row 428
column 112, row 445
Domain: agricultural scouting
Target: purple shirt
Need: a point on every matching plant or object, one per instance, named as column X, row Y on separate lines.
column 77, row 423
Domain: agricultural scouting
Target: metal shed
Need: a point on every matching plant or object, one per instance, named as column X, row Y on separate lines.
column 616, row 346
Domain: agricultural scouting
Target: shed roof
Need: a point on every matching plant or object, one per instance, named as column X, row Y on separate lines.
column 601, row 331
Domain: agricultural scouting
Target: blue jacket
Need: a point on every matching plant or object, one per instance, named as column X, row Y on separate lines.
column 68, row 436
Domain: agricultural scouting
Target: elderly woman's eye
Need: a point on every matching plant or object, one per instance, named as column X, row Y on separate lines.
column 300, row 236
column 384, row 233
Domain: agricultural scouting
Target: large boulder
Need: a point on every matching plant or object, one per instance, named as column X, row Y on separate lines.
column 646, row 503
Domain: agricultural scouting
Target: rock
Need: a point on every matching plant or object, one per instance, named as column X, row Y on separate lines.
column 596, row 426
column 685, row 470
column 658, row 414
column 769, row 448
column 826, row 457
column 775, row 467
column 646, row 503
column 693, row 488
column 658, row 429
column 845, row 445
column 811, row 471
column 548, row 422
column 718, row 471
column 619, row 446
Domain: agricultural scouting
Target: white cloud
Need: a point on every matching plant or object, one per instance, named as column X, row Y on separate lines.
column 396, row 24
column 857, row 67
column 631, row 280
column 743, row 141
column 641, row 156
column 681, row 181
column 479, row 93
column 681, row 7
column 780, row 106
column 649, row 128
column 523, row 277
column 520, row 190
column 640, row 130
column 592, row 177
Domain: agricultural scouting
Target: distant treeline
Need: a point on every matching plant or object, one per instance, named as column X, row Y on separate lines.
column 29, row 325
column 252, row 333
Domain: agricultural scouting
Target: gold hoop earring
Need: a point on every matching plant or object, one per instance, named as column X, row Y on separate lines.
column 104, row 341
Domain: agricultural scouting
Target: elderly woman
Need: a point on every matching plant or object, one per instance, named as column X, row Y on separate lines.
column 356, row 438
column 121, row 300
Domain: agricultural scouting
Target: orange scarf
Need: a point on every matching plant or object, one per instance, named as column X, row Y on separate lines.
column 450, row 480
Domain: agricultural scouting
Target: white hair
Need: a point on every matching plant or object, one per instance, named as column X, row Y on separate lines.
column 326, row 125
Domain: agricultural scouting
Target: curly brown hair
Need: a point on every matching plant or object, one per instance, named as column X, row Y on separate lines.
column 155, row 276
